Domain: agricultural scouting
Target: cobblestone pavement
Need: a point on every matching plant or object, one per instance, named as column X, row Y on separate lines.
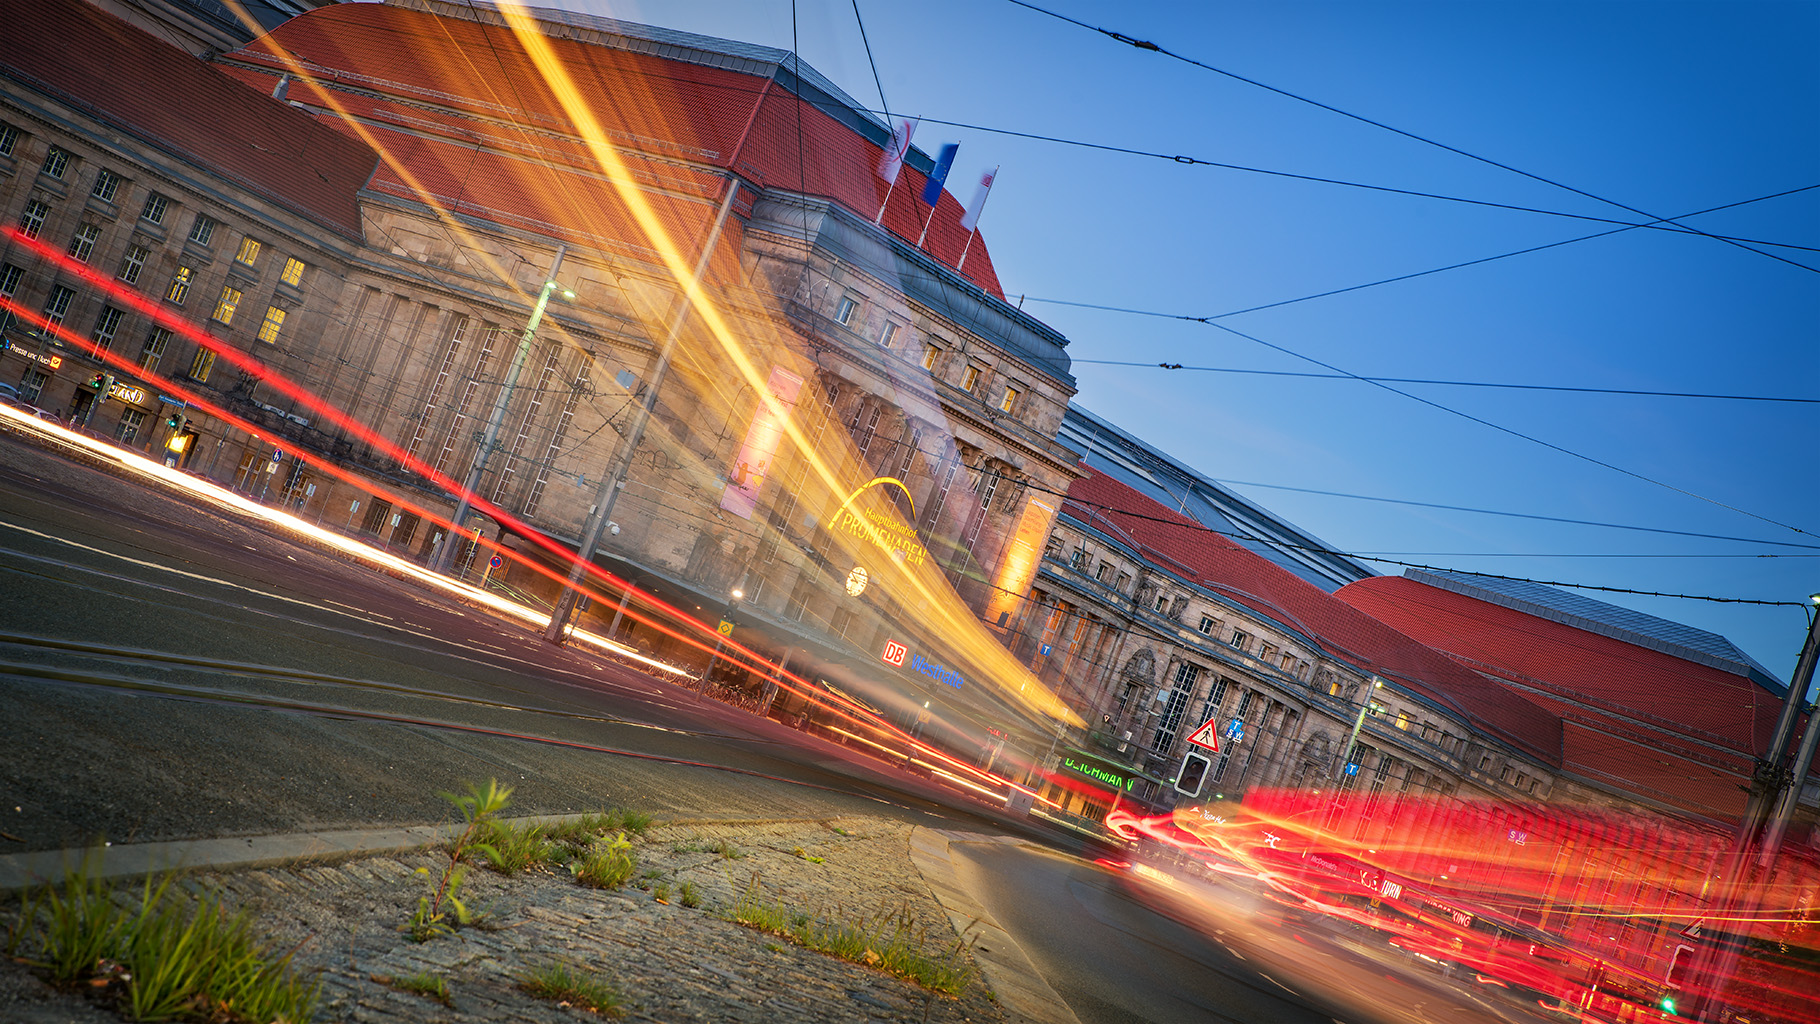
column 671, row 962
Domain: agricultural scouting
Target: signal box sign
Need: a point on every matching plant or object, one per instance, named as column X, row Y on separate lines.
column 1206, row 736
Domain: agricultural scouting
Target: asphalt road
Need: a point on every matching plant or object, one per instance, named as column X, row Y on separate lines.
column 168, row 671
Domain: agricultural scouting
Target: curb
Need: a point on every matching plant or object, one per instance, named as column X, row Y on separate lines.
column 1020, row 989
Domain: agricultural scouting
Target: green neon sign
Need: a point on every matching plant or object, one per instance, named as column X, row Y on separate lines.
column 1117, row 780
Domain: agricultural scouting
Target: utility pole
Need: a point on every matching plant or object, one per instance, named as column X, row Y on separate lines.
column 615, row 481
column 464, row 499
column 1768, row 781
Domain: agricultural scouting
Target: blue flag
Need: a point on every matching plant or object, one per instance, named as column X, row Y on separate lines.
column 932, row 192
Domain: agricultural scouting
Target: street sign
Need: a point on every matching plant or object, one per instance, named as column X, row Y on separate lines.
column 496, row 561
column 726, row 628
column 1046, row 650
column 1204, row 736
column 1692, row 931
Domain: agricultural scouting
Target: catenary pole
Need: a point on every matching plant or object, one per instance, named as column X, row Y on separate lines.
column 615, row 481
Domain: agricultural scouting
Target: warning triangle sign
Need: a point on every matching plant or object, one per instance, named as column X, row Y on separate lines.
column 1206, row 737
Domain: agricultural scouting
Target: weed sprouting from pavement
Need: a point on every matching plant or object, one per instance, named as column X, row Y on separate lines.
column 478, row 808
column 564, row 982
column 888, row 942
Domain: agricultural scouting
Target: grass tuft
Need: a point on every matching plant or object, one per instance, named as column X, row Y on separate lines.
column 888, row 942
column 608, row 865
column 163, row 954
column 562, row 982
column 429, row 986
column 727, row 851
column 688, row 895
column 517, row 847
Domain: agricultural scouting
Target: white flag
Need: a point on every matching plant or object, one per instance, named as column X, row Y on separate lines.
column 892, row 160
column 971, row 218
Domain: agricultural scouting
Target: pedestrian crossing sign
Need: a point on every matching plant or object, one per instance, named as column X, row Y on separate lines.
column 1206, row 736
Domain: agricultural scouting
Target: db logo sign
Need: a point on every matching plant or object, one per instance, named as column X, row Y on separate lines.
column 894, row 653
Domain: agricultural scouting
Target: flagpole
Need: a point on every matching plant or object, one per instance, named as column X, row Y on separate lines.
column 975, row 215
column 926, row 222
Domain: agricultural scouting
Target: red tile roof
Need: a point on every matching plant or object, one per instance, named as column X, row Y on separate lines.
column 1182, row 546
column 455, row 85
column 153, row 91
column 1675, row 730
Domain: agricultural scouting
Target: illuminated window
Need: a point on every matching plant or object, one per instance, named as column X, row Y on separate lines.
column 106, row 326
column 133, row 262
column 228, row 303
column 107, row 185
column 843, row 313
column 83, row 245
column 1009, row 402
column 31, row 221
column 888, row 335
column 970, row 379
column 156, row 206
column 274, row 319
column 249, row 252
column 203, row 230
column 203, row 364
column 293, row 272
column 930, row 354
column 180, row 286
column 154, row 349
column 9, row 139
column 56, row 162
column 1403, row 720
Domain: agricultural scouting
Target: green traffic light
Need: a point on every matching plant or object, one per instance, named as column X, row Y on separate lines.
column 1668, row 1004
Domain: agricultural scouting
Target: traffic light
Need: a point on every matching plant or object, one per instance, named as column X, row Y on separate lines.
column 174, row 421
column 1194, row 772
column 94, row 382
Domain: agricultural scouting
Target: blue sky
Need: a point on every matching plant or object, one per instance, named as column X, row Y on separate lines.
column 1665, row 107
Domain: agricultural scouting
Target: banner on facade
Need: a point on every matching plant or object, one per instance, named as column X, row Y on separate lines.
column 753, row 463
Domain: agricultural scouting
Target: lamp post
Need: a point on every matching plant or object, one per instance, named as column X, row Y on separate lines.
column 1357, row 724
column 498, row 416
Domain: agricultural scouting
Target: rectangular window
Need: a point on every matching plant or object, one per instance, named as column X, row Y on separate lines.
column 1239, row 639
column 31, row 221
column 132, row 263
column 293, row 272
column 989, row 486
column 888, row 335
column 32, row 387
column 274, row 320
column 156, row 206
column 107, row 185
column 203, row 231
column 56, row 162
column 1009, row 402
column 970, row 379
column 843, row 313
column 249, row 252
column 1207, row 625
column 128, row 430
column 226, row 305
column 203, row 364
column 930, row 354
column 83, row 245
column 59, row 305
column 180, row 286
column 106, row 326
column 9, row 139
column 1103, row 571
column 9, row 280
column 154, row 349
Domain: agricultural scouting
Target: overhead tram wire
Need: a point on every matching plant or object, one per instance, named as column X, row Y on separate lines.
column 1660, row 224
column 1447, row 383
column 1209, row 318
column 1143, row 44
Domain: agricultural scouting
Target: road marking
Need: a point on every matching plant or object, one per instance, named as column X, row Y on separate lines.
column 1278, row 984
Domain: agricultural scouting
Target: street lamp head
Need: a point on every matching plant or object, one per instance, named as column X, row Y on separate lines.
column 1814, row 598
column 738, row 593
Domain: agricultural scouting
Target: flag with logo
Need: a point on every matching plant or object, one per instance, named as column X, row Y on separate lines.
column 971, row 218
column 892, row 159
column 932, row 192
